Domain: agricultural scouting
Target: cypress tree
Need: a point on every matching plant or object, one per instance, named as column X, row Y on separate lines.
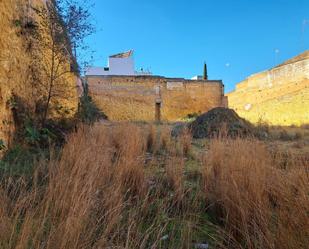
column 205, row 76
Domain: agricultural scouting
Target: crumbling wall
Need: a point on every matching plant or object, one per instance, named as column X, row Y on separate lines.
column 133, row 98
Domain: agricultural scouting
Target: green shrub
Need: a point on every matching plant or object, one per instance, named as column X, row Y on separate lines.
column 286, row 136
column 18, row 161
column 17, row 23
column 193, row 115
column 298, row 135
column 2, row 145
column 32, row 134
column 88, row 112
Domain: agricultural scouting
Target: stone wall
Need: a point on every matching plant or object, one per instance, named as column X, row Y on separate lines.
column 279, row 75
column 278, row 96
column 133, row 97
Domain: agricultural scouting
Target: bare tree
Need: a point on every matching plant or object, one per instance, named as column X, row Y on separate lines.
column 77, row 19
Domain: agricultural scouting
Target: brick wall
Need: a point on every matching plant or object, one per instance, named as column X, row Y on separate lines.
column 133, row 98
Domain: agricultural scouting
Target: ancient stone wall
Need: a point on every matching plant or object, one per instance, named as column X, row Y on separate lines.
column 133, row 97
column 279, row 75
column 278, row 96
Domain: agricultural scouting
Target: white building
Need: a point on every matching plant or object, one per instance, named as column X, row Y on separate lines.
column 197, row 77
column 118, row 64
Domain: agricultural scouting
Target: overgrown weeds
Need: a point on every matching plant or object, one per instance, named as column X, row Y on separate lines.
column 102, row 193
column 252, row 195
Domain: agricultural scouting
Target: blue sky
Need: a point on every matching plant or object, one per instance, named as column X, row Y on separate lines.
column 173, row 38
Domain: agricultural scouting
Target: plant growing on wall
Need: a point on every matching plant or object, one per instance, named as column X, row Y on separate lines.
column 2, row 145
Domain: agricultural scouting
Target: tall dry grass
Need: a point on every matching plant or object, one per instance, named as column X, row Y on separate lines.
column 99, row 194
column 259, row 201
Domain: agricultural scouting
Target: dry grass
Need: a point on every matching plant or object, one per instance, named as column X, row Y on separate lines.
column 255, row 198
column 186, row 141
column 98, row 195
column 289, row 138
column 175, row 171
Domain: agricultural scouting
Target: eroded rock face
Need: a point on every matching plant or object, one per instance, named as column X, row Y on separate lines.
column 279, row 96
column 16, row 77
column 11, row 65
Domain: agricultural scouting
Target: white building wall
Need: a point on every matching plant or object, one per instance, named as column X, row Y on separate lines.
column 121, row 66
column 96, row 71
column 117, row 66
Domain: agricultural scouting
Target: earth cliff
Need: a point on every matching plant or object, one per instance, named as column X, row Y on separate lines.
column 17, row 79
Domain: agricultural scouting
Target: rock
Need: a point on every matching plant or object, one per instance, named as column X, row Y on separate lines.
column 201, row 246
column 165, row 237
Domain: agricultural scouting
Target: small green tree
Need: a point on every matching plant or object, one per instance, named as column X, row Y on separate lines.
column 60, row 24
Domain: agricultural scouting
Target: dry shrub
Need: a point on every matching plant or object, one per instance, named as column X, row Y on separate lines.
column 299, row 144
column 285, row 136
column 131, row 158
column 158, row 138
column 305, row 126
column 185, row 141
column 165, row 137
column 174, row 173
column 298, row 135
column 260, row 204
column 151, row 138
column 5, row 220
